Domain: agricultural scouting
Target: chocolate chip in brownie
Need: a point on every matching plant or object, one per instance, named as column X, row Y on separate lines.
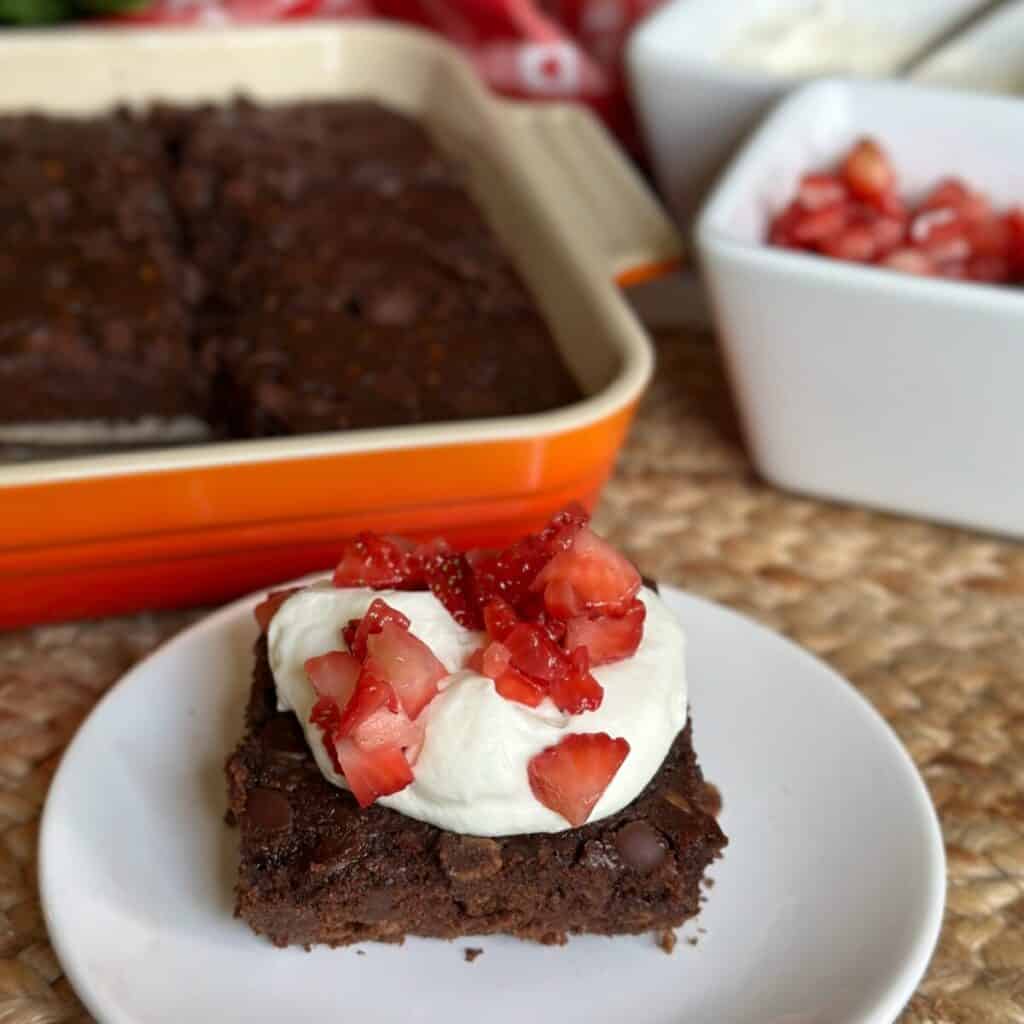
column 268, row 810
column 469, row 858
column 640, row 846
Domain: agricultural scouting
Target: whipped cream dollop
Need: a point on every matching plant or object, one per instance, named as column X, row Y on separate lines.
column 829, row 36
column 471, row 775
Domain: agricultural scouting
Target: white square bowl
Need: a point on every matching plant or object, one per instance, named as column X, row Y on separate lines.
column 863, row 384
column 695, row 107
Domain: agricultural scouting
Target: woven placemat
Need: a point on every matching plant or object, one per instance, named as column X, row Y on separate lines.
column 927, row 621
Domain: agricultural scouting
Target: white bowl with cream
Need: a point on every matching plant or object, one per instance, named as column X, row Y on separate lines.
column 703, row 72
column 989, row 57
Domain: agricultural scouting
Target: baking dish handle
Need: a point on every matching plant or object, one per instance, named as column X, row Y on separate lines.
column 606, row 207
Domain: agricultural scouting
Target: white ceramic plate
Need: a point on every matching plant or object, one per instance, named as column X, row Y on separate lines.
column 824, row 910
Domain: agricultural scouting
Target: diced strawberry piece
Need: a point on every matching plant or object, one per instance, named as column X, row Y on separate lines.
column 818, row 190
column 1015, row 248
column 391, row 729
column 561, row 600
column 949, row 193
column 407, row 664
column 371, row 694
column 368, row 560
column 267, row 608
column 499, row 619
column 942, row 233
column 602, row 580
column 377, row 616
column 888, row 231
column 476, row 661
column 374, row 772
column 952, row 194
column 988, row 269
column 780, row 231
column 605, row 638
column 555, row 628
column 495, row 659
column 577, row 691
column 334, row 675
column 534, row 654
column 990, row 237
column 450, row 579
column 570, row 777
column 513, row 685
column 910, row 261
column 815, row 226
column 508, row 574
column 868, row 173
column 855, row 243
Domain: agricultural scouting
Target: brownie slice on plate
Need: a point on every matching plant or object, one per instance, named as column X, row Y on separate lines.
column 315, row 868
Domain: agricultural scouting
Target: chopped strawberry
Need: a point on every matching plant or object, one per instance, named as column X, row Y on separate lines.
column 988, row 269
column 450, row 579
column 555, row 628
column 816, row 191
column 910, row 261
column 815, row 226
column 534, row 654
column 868, row 173
column 605, row 638
column 499, row 619
column 588, row 576
column 990, row 237
column 334, row 675
column 368, row 560
column 495, row 659
column 855, row 243
column 508, row 574
column 780, row 231
column 513, row 685
column 570, row 777
column 476, row 660
column 391, row 729
column 576, row 690
column 1015, row 246
column 372, row 772
column 407, row 664
column 377, row 616
column 370, row 695
column 267, row 608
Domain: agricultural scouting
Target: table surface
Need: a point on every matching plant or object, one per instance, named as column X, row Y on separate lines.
column 927, row 621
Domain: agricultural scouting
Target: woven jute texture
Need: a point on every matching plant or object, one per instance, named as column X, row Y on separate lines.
column 928, row 622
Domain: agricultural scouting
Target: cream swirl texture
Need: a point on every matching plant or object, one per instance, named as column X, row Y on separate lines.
column 471, row 775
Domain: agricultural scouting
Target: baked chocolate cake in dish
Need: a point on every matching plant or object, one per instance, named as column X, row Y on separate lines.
column 447, row 744
column 96, row 297
column 245, row 271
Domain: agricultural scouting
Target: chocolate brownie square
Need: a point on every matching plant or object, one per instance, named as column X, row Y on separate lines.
column 357, row 283
column 96, row 296
column 317, row 869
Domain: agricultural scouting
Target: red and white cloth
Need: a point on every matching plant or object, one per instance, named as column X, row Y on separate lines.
column 531, row 49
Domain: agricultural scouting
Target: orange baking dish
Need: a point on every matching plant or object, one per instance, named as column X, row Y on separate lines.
column 91, row 536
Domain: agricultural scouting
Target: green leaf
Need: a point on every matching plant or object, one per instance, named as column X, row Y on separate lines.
column 34, row 12
column 109, row 6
